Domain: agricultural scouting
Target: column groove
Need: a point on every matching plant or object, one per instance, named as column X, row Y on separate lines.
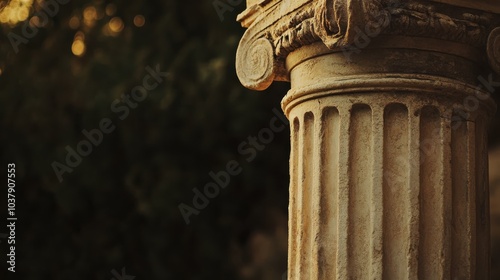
column 306, row 163
column 396, row 196
column 293, row 242
column 360, row 186
column 462, row 198
column 431, row 246
column 328, row 215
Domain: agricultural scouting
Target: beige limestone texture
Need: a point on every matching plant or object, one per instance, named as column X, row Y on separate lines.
column 388, row 164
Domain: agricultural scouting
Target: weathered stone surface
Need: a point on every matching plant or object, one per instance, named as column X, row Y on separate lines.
column 348, row 25
column 389, row 170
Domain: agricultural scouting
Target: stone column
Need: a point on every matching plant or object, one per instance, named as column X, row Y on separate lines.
column 389, row 108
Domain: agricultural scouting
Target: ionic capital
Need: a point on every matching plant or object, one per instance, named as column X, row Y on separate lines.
column 277, row 28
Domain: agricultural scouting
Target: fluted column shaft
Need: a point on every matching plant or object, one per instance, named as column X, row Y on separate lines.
column 386, row 188
column 388, row 170
column 389, row 107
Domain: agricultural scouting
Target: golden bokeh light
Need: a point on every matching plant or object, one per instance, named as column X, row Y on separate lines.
column 90, row 13
column 78, row 47
column 89, row 16
column 80, row 36
column 22, row 14
column 4, row 17
column 15, row 11
column 38, row 21
column 139, row 20
column 74, row 22
column 116, row 25
column 110, row 9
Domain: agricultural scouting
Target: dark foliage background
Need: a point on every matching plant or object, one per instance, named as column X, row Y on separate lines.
column 119, row 207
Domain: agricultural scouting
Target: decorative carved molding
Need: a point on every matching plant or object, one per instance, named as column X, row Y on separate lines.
column 335, row 19
column 339, row 28
column 424, row 21
column 339, row 24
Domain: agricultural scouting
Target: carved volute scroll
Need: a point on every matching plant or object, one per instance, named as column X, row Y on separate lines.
column 257, row 70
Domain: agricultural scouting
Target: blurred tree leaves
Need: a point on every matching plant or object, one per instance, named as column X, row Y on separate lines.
column 118, row 208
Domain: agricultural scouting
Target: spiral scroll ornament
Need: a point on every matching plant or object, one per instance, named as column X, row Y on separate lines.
column 255, row 63
column 493, row 49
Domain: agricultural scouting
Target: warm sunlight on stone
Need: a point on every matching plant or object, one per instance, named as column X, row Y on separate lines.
column 383, row 185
